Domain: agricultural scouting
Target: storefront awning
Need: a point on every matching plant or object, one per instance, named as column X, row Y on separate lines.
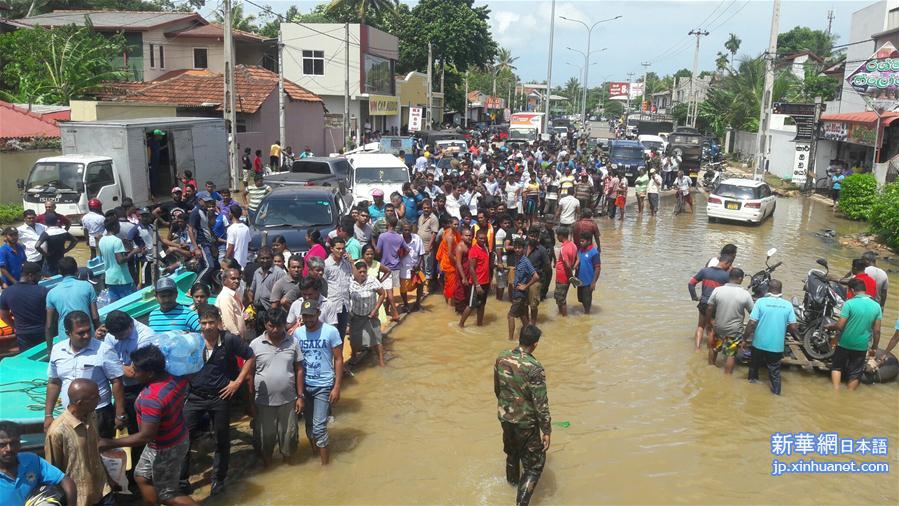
column 866, row 117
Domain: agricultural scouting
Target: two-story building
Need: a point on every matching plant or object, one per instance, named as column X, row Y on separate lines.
column 160, row 42
column 315, row 56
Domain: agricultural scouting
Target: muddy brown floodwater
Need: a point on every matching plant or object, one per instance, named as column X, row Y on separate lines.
column 650, row 421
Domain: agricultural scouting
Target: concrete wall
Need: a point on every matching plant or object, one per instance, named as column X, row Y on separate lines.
column 305, row 126
column 90, row 110
column 782, row 150
column 298, row 37
column 745, row 142
column 15, row 165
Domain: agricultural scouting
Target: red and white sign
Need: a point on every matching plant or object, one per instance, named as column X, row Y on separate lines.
column 415, row 119
column 618, row 91
column 526, row 119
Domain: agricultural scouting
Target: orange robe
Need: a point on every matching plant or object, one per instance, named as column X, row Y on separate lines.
column 448, row 265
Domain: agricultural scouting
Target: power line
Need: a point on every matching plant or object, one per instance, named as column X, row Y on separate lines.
column 716, row 18
column 719, row 25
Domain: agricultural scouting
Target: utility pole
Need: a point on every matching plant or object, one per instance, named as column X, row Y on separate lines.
column 465, row 117
column 229, row 99
column 765, row 112
column 282, row 112
column 549, row 66
column 627, row 109
column 829, row 20
column 430, row 86
column 646, row 65
column 346, row 86
column 693, row 103
column 813, row 151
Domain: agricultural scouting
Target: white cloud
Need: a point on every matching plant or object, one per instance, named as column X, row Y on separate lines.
column 517, row 30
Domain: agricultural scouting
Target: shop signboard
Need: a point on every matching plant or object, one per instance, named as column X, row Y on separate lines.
column 800, row 163
column 618, row 90
column 877, row 78
column 415, row 119
column 383, row 105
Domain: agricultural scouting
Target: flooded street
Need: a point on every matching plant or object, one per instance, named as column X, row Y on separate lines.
column 650, row 421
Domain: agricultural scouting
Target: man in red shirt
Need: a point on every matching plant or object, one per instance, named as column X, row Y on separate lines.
column 50, row 208
column 479, row 274
column 159, row 414
column 858, row 272
column 566, row 268
column 586, row 224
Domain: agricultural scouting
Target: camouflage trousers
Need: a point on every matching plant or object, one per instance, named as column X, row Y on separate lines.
column 524, row 446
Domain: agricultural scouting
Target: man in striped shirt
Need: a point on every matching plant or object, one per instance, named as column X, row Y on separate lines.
column 711, row 278
column 171, row 316
column 255, row 194
column 159, row 415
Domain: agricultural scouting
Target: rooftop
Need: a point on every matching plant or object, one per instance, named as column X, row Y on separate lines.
column 202, row 88
column 19, row 123
column 214, row 31
column 137, row 21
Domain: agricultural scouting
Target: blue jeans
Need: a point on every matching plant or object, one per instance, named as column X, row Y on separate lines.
column 117, row 292
column 315, row 413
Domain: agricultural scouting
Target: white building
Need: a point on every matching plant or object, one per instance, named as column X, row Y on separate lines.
column 315, row 58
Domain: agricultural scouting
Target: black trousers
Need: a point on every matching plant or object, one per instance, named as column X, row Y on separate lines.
column 769, row 359
column 219, row 410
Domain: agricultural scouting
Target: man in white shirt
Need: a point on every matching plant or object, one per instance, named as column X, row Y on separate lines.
column 568, row 208
column 454, row 203
column 421, row 164
column 29, row 233
column 879, row 276
column 410, row 265
column 238, row 238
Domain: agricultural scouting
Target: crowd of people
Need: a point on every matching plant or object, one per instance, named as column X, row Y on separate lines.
column 473, row 226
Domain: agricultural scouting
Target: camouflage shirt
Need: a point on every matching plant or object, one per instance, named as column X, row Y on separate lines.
column 520, row 387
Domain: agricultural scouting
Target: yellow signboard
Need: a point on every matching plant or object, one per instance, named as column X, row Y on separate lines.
column 383, row 105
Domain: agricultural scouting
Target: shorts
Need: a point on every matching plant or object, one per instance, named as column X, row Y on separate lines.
column 530, row 206
column 475, row 300
column 702, row 306
column 502, row 278
column 585, row 295
column 162, row 467
column 850, row 362
column 519, row 307
column 391, row 281
column 728, row 345
column 688, row 199
column 561, row 293
column 534, row 295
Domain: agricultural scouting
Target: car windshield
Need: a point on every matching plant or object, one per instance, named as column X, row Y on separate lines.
column 651, row 144
column 627, row 152
column 310, row 167
column 447, row 144
column 367, row 175
column 732, row 191
column 61, row 175
column 297, row 211
column 684, row 139
column 522, row 134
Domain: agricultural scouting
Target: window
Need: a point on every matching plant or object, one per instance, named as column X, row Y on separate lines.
column 98, row 176
column 162, row 57
column 378, row 75
column 152, row 56
column 200, row 58
column 893, row 19
column 313, row 63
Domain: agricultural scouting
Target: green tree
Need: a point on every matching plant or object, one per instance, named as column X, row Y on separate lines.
column 271, row 27
column 571, row 90
column 54, row 66
column 722, row 62
column 364, row 8
column 683, row 73
column 239, row 20
column 732, row 45
column 813, row 85
column 803, row 38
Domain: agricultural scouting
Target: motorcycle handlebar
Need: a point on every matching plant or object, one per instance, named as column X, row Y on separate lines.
column 775, row 266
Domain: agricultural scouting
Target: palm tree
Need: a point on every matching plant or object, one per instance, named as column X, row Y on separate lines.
column 572, row 90
column 732, row 45
column 504, row 62
column 238, row 20
column 364, row 8
column 722, row 61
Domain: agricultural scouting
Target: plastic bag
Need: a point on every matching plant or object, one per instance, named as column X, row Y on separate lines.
column 114, row 461
column 103, row 298
column 183, row 351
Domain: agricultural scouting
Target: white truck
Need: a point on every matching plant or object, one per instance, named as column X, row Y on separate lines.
column 525, row 127
column 376, row 171
column 136, row 158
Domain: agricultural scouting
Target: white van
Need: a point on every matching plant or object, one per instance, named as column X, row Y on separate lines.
column 372, row 171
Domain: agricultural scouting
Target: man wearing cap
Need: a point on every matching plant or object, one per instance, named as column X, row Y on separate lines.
column 94, row 224
column 29, row 233
column 70, row 294
column 171, row 316
column 322, row 350
column 376, row 209
column 201, row 237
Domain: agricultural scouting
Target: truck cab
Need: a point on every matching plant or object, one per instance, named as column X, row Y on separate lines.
column 371, row 171
column 70, row 181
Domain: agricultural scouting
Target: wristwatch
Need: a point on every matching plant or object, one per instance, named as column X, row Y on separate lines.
column 122, row 417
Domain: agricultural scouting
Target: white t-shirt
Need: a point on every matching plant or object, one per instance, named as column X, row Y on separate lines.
column 654, row 184
column 512, row 194
column 412, row 259
column 568, row 206
column 454, row 205
column 239, row 236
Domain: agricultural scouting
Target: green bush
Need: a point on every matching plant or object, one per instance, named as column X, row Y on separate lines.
column 884, row 216
column 10, row 213
column 857, row 196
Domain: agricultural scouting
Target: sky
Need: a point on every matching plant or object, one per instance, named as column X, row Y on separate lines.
column 648, row 31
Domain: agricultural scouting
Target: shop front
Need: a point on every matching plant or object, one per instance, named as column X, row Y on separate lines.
column 858, row 137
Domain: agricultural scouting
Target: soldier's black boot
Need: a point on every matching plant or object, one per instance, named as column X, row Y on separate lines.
column 513, row 471
column 526, row 489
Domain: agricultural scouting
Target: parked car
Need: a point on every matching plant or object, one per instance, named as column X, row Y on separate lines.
column 318, row 171
column 292, row 210
column 627, row 157
column 743, row 200
column 652, row 142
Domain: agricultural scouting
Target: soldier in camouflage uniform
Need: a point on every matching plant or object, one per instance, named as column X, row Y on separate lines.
column 520, row 387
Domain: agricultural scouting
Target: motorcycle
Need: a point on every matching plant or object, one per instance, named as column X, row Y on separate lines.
column 712, row 175
column 758, row 283
column 820, row 308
